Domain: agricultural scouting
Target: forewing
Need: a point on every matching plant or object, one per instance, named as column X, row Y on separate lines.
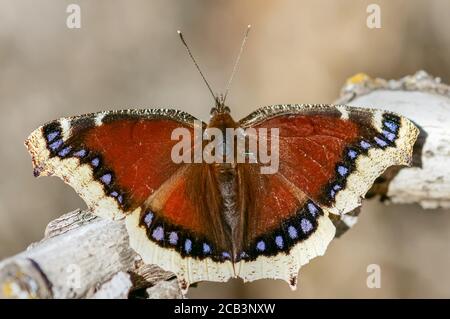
column 334, row 153
column 114, row 160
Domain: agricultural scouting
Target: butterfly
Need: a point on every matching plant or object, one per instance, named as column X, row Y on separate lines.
column 215, row 221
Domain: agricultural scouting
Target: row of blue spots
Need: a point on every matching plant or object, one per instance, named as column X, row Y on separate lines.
column 158, row 235
column 56, row 144
column 342, row 170
column 105, row 178
column 66, row 150
column 389, row 132
column 305, row 225
column 388, row 135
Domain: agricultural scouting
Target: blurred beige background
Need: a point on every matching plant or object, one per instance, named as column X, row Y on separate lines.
column 127, row 54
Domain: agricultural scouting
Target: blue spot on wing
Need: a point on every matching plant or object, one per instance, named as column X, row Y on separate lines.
column 292, row 232
column 279, row 242
column 306, row 225
column 107, row 178
column 226, row 255
column 173, row 238
column 312, row 209
column 342, row 170
column 206, row 248
column 390, row 136
column 158, row 233
column 52, row 135
column 365, row 145
column 380, row 141
column 65, row 151
column 55, row 145
column 393, row 127
column 148, row 218
column 188, row 246
column 95, row 161
column 261, row 246
column 80, row 153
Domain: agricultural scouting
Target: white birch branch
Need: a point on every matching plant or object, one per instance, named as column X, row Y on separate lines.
column 81, row 256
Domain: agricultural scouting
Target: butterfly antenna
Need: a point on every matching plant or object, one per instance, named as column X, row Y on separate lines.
column 196, row 65
column 236, row 64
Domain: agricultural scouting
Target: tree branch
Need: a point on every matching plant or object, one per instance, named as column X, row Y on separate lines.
column 81, row 256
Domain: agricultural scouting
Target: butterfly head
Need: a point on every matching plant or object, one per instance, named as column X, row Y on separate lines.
column 220, row 107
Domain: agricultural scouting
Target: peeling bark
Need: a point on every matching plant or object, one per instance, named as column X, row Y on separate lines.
column 81, row 256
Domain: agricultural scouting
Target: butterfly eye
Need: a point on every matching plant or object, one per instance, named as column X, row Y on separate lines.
column 213, row 111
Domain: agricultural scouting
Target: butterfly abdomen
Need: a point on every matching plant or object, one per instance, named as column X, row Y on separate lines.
column 228, row 186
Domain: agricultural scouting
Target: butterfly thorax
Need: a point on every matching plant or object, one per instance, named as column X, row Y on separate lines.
column 226, row 174
column 222, row 120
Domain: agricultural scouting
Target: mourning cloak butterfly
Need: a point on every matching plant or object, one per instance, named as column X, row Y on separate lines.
column 216, row 221
column 213, row 221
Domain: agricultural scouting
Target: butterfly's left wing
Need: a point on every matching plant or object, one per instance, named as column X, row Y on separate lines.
column 329, row 156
